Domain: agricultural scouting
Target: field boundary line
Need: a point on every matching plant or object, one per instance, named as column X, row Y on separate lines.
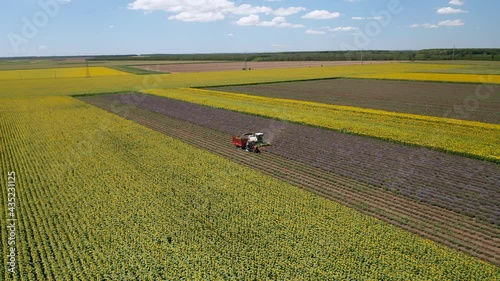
column 265, row 83
column 407, row 80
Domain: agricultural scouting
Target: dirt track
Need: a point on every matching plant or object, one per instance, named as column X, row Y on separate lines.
column 227, row 66
column 449, row 228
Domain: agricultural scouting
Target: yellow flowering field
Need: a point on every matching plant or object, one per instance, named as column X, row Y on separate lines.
column 439, row 77
column 99, row 84
column 58, row 73
column 474, row 139
column 101, row 197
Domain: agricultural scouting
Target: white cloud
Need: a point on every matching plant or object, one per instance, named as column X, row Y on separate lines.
column 230, row 34
column 450, row 10
column 197, row 10
column 424, row 25
column 456, row 2
column 246, row 9
column 198, row 17
column 254, row 20
column 314, row 32
column 344, row 28
column 321, row 15
column 274, row 22
column 250, row 20
column 288, row 11
column 280, row 22
column 111, row 26
column 458, row 22
column 42, row 47
column 368, row 18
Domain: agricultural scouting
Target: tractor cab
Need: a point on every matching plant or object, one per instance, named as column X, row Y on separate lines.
column 260, row 137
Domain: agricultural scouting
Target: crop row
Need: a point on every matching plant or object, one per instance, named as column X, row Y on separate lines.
column 104, row 198
column 474, row 139
column 464, row 185
column 446, row 227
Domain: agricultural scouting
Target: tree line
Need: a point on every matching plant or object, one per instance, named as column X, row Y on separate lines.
column 426, row 54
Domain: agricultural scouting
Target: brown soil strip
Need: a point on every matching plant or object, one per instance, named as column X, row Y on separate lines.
column 457, row 231
column 228, row 66
column 458, row 101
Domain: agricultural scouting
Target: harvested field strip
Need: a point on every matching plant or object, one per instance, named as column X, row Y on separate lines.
column 440, row 77
column 468, row 138
column 454, row 230
column 464, row 185
column 227, row 66
column 452, row 100
column 205, row 218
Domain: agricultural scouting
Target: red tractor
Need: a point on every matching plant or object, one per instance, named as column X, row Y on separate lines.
column 251, row 142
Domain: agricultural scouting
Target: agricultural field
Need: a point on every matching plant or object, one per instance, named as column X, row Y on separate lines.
column 43, row 63
column 133, row 176
column 472, row 139
column 55, row 73
column 289, row 161
column 73, row 86
column 201, row 225
column 228, row 66
column 422, row 98
column 471, row 67
column 375, row 162
column 438, row 77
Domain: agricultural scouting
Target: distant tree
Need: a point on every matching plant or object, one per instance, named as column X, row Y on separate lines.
column 412, row 56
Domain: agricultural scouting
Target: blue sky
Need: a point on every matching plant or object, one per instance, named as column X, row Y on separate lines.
column 91, row 27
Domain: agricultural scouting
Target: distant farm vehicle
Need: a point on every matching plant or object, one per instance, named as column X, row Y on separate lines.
column 251, row 142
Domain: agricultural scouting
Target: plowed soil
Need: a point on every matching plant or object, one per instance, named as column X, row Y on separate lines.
column 227, row 66
column 472, row 236
column 458, row 101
